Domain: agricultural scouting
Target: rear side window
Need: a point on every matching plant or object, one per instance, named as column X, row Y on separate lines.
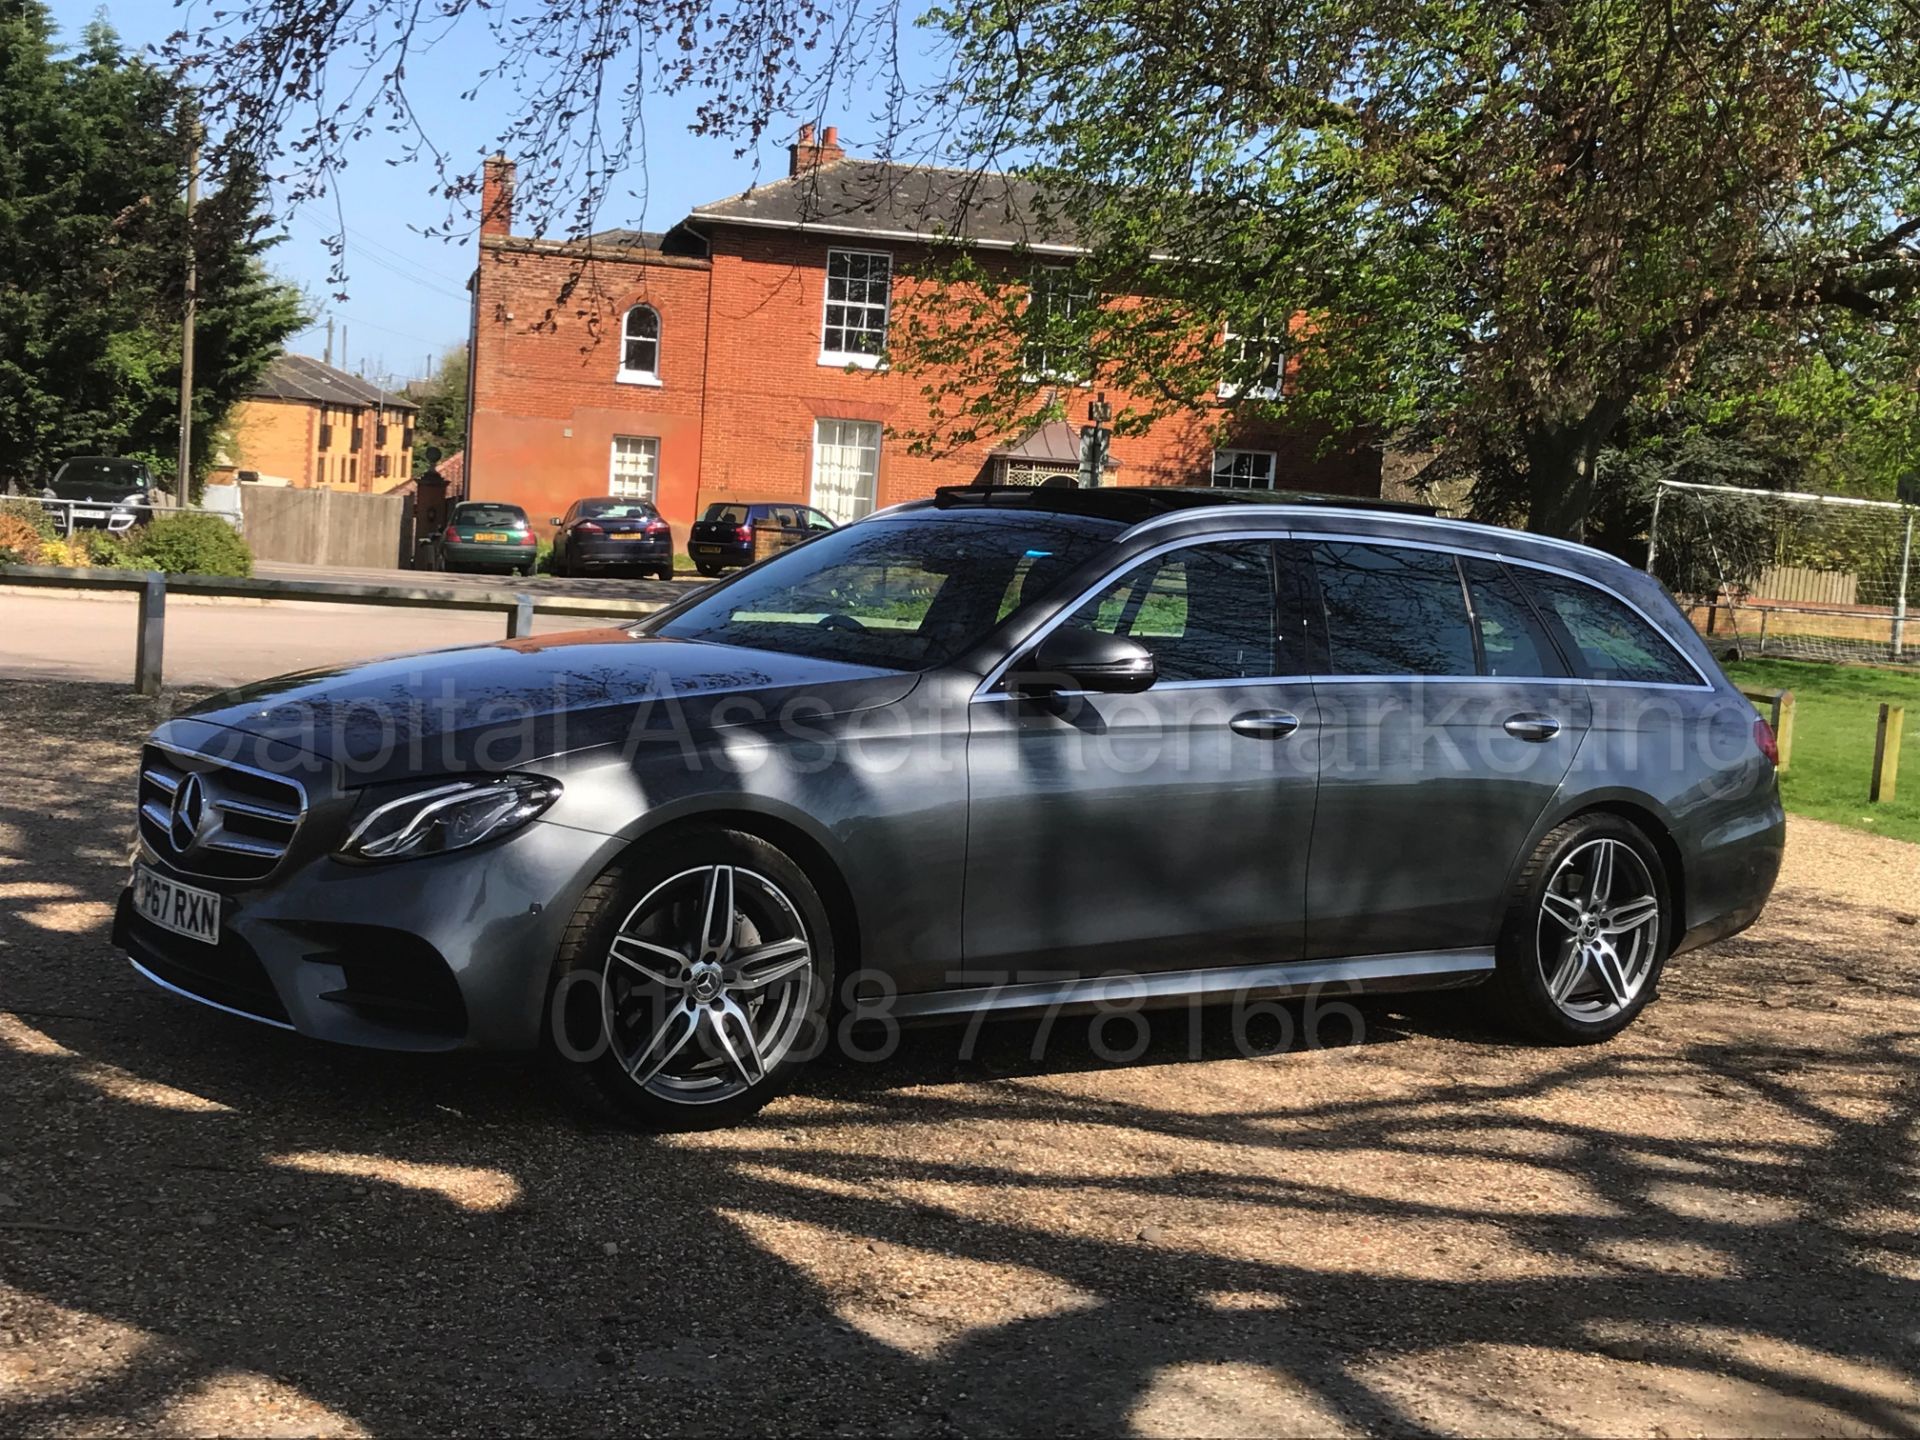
column 1205, row 611
column 1612, row 642
column 1391, row 611
column 1512, row 641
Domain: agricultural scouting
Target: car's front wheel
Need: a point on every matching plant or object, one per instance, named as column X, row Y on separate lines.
column 1587, row 931
column 692, row 983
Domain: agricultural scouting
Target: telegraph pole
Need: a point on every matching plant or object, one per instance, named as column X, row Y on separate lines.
column 182, row 484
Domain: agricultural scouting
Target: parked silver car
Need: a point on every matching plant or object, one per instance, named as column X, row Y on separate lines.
column 1006, row 751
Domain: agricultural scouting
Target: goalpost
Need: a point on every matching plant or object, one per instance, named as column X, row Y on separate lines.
column 1781, row 572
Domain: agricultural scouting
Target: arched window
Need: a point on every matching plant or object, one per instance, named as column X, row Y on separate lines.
column 640, row 345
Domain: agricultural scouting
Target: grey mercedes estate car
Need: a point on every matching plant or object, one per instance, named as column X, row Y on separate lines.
column 1005, row 750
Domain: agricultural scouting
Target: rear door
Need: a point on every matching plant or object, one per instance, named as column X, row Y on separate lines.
column 1448, row 719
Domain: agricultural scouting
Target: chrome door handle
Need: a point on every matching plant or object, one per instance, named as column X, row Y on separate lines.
column 1265, row 724
column 1531, row 727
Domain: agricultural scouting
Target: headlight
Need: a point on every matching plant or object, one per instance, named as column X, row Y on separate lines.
column 449, row 817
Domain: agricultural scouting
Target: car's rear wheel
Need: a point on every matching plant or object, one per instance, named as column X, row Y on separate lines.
column 692, row 982
column 1587, row 932
column 708, row 570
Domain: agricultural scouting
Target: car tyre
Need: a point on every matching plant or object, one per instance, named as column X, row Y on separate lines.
column 1588, row 926
column 707, row 570
column 692, row 983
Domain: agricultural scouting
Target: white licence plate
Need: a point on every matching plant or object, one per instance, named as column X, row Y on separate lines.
column 706, row 549
column 89, row 514
column 183, row 909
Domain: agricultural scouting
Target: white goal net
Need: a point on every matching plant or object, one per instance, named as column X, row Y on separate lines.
column 1769, row 572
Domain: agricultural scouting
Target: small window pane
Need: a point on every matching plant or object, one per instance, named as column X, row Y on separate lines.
column 846, row 467
column 640, row 342
column 1511, row 639
column 856, row 305
column 636, row 460
column 1613, row 642
column 1243, row 469
column 1392, row 611
column 1205, row 612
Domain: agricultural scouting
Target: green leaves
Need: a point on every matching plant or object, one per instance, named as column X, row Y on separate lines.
column 93, row 239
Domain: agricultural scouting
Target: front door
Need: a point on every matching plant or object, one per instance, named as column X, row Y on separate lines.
column 1447, row 721
column 1160, row 831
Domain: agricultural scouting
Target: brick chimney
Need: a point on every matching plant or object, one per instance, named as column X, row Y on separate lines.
column 807, row 154
column 496, row 196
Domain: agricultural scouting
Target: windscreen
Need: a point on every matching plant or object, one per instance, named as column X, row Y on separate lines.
column 905, row 592
column 91, row 479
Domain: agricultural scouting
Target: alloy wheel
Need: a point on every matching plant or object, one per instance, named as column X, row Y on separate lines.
column 1599, row 930
column 708, row 984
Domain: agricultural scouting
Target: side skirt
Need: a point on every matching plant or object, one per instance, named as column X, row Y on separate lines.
column 1361, row 975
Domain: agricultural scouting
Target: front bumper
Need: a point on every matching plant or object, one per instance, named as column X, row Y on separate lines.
column 460, row 957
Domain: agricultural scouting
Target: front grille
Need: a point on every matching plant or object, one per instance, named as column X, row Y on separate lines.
column 231, row 822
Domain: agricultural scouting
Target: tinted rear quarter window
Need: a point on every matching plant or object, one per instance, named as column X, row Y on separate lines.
column 1393, row 611
column 1611, row 641
column 727, row 514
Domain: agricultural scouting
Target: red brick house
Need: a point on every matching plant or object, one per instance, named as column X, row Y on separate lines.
column 737, row 356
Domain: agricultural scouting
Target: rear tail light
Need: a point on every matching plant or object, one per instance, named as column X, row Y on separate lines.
column 452, row 537
column 744, row 534
column 587, row 527
column 655, row 527
column 1763, row 736
column 526, row 537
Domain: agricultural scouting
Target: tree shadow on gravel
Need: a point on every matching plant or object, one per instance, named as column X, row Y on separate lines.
column 207, row 1226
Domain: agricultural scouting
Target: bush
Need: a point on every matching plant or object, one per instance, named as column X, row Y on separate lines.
column 111, row 552
column 189, row 544
column 20, row 540
column 32, row 514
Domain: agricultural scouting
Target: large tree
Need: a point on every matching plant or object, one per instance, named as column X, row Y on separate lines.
column 93, row 248
column 1491, row 229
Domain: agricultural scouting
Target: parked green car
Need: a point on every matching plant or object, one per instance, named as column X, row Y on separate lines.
column 486, row 535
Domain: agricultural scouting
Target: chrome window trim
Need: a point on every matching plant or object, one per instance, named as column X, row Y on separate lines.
column 1215, row 537
column 1292, row 514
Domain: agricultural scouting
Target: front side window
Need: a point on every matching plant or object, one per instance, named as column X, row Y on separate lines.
column 1205, row 611
column 898, row 593
column 636, row 464
column 640, row 344
column 1611, row 641
column 1392, row 612
column 1057, row 315
column 1253, row 366
column 859, row 290
column 1243, row 469
column 846, row 467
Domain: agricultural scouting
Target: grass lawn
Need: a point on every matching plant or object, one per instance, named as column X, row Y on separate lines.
column 1837, row 707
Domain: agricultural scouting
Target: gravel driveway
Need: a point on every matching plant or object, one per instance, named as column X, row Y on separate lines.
column 1707, row 1227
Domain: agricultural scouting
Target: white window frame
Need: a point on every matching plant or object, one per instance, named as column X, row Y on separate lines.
column 1046, row 371
column 628, row 376
column 616, row 478
column 860, row 358
column 1234, row 389
column 1272, row 458
column 827, row 505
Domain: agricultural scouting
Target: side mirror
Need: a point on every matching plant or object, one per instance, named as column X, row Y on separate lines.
column 553, row 519
column 1075, row 659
